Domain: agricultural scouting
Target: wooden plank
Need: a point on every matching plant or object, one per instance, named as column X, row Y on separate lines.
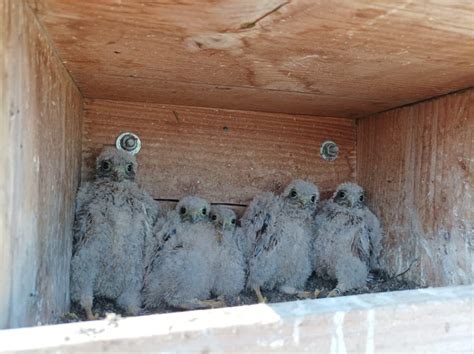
column 336, row 58
column 415, row 321
column 416, row 163
column 41, row 114
column 225, row 156
column 225, row 97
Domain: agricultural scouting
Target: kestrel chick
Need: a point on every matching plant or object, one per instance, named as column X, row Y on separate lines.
column 280, row 228
column 229, row 271
column 180, row 268
column 254, row 219
column 347, row 242
column 114, row 217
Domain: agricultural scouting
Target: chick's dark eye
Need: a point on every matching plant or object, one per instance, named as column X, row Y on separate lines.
column 342, row 194
column 293, row 193
column 313, row 198
column 182, row 211
column 361, row 198
column 232, row 221
column 129, row 167
column 213, row 217
column 204, row 211
column 105, row 165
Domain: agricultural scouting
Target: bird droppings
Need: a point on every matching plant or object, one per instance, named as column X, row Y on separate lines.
column 369, row 345
column 447, row 327
column 337, row 340
column 277, row 343
column 296, row 331
column 381, row 282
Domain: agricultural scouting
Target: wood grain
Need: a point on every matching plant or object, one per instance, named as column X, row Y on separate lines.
column 414, row 321
column 416, row 164
column 40, row 131
column 225, row 156
column 326, row 58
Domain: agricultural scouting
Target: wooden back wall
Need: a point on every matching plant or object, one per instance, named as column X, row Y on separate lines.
column 222, row 155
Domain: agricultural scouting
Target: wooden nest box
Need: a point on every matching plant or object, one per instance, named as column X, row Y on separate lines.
column 231, row 98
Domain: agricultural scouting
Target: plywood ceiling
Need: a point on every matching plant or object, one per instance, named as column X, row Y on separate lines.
column 339, row 58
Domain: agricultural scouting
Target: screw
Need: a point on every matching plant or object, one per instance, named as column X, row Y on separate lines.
column 329, row 150
column 128, row 142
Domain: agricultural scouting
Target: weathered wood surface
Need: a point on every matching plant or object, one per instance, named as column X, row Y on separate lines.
column 41, row 111
column 225, row 156
column 415, row 321
column 416, row 163
column 327, row 58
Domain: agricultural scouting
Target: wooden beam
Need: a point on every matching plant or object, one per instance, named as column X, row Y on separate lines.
column 148, row 90
column 426, row 320
column 225, row 156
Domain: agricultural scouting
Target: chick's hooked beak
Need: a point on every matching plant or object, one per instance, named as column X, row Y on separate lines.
column 195, row 217
column 118, row 174
column 227, row 225
column 200, row 215
column 304, row 202
column 349, row 203
column 346, row 202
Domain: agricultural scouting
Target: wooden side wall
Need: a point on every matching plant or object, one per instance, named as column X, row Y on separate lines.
column 416, row 163
column 41, row 119
column 225, row 156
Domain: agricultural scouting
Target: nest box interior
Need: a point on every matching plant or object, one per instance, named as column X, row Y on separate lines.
column 231, row 98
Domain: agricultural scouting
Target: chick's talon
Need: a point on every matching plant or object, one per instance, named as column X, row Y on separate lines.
column 71, row 315
column 90, row 316
column 261, row 299
column 334, row 293
column 305, row 294
column 213, row 303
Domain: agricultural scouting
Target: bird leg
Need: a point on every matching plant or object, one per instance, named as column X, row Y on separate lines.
column 130, row 301
column 335, row 292
column 196, row 304
column 133, row 310
column 305, row 294
column 90, row 316
column 261, row 299
column 289, row 290
column 86, row 303
column 214, row 303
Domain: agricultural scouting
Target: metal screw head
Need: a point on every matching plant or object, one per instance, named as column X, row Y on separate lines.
column 129, row 142
column 329, row 150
